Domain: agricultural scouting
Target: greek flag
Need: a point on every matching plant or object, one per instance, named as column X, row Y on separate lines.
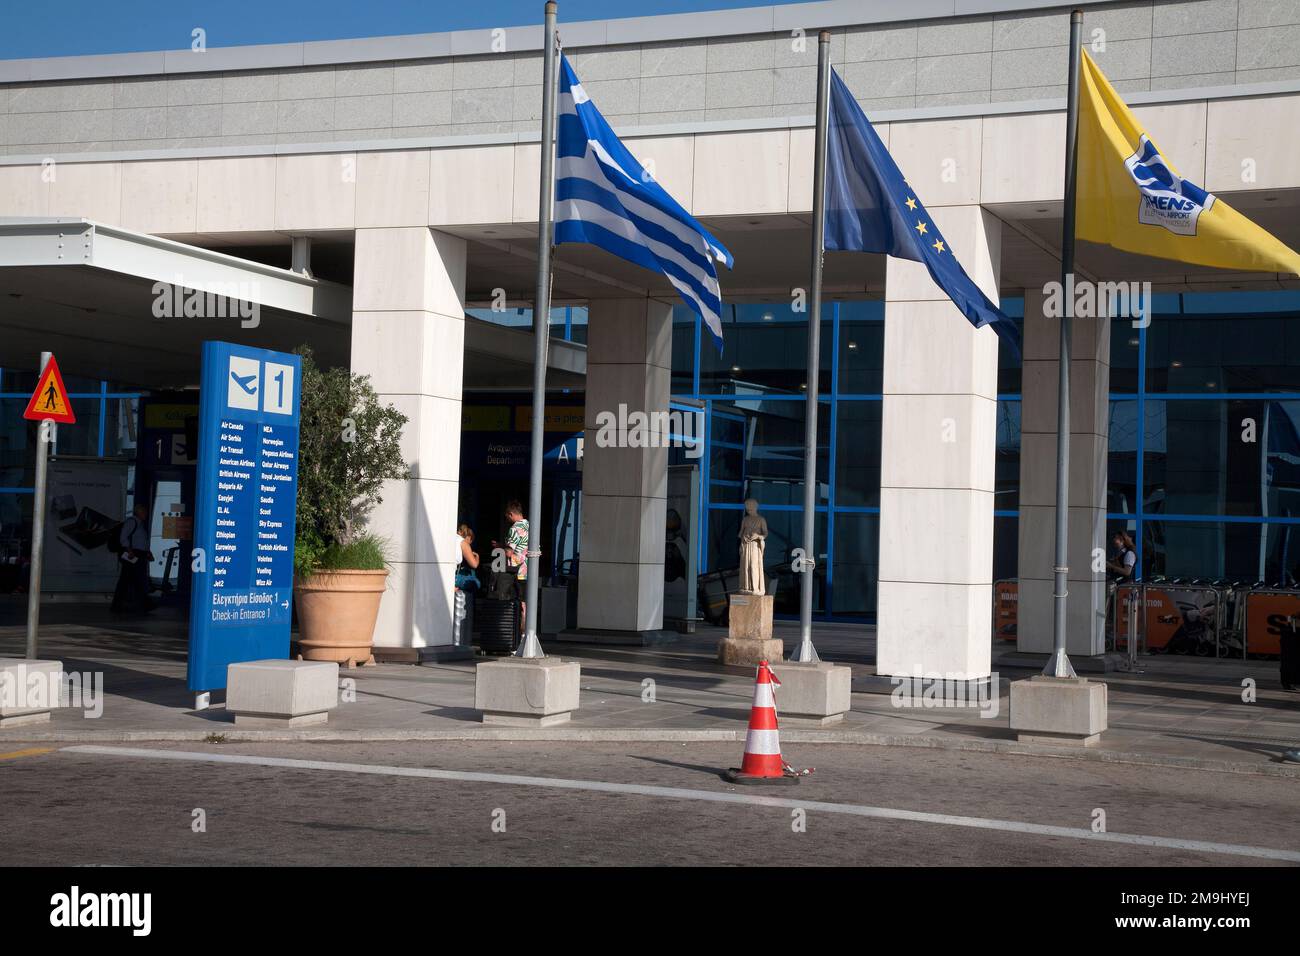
column 604, row 197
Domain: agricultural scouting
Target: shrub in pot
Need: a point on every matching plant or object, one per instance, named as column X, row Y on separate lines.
column 348, row 446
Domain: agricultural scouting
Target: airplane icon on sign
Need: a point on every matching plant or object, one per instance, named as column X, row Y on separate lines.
column 247, row 382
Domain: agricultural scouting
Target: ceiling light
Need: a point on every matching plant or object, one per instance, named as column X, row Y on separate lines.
column 735, row 368
column 1175, row 364
column 1134, row 342
column 768, row 316
column 853, row 346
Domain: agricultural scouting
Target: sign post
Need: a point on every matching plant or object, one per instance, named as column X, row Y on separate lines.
column 247, row 495
column 49, row 404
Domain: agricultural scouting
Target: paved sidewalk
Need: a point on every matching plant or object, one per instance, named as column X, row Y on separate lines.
column 1173, row 712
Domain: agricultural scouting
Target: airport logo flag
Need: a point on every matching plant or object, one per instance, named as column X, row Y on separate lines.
column 870, row 207
column 1131, row 197
column 605, row 197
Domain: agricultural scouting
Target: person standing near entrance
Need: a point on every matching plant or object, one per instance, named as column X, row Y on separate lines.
column 517, row 551
column 1125, row 561
column 134, row 556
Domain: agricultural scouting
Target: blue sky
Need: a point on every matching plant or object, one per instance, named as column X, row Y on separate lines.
column 75, row 27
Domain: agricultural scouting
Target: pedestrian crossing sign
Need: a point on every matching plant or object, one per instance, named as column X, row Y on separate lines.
column 50, row 400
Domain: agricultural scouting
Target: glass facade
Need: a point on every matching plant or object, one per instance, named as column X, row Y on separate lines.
column 1204, row 466
column 105, row 428
column 568, row 322
column 752, row 393
column 1204, row 419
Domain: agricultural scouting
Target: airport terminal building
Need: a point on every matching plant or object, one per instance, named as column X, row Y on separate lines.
column 377, row 199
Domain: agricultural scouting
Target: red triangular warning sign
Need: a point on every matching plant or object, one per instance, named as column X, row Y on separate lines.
column 50, row 400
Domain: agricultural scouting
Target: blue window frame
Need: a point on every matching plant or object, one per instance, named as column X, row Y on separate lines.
column 1208, row 361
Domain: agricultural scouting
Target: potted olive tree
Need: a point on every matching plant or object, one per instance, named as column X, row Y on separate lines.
column 348, row 446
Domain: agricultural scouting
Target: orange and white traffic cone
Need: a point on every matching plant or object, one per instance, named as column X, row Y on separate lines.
column 762, row 762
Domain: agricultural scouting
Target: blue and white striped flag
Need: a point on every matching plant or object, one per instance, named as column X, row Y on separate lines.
column 604, row 197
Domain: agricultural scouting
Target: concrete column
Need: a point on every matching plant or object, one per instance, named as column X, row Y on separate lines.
column 408, row 335
column 1089, row 422
column 939, row 420
column 624, row 488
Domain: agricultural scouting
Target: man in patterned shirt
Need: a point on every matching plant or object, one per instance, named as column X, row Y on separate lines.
column 517, row 549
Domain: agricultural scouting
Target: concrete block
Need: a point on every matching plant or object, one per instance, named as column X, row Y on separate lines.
column 308, row 116
column 954, row 73
column 750, row 616
column 1203, row 17
column 1058, row 710
column 29, row 690
column 245, row 119
column 256, row 86
column 418, row 76
column 881, row 78
column 880, row 42
column 733, row 90
column 1044, row 66
column 1272, row 47
column 1194, row 54
column 678, row 58
column 282, row 693
column 527, row 693
column 363, row 79
column 729, row 54
column 818, row 693
column 422, row 108
column 659, row 93
column 954, row 36
column 748, row 651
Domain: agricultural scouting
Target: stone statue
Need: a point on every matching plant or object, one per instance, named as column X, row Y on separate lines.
column 753, row 538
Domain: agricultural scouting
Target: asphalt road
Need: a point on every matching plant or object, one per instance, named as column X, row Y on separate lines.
column 69, row 806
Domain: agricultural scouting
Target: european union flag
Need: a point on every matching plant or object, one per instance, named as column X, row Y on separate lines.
column 870, row 208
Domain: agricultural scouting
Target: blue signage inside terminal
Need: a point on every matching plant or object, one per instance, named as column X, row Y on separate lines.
column 247, row 490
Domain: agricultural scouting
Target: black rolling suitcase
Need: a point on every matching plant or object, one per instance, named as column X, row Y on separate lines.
column 496, row 614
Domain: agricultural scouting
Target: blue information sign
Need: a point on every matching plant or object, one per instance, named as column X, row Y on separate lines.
column 247, row 495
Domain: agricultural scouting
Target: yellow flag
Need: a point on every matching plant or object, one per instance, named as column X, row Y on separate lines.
column 1131, row 197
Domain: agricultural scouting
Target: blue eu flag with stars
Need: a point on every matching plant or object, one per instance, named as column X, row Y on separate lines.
column 871, row 208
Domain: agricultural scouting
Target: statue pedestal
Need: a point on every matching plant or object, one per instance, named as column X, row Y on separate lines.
column 749, row 638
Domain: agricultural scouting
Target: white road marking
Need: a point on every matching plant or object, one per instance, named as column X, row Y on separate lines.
column 680, row 793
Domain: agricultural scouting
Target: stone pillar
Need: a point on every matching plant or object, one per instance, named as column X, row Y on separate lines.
column 939, row 420
column 624, row 488
column 408, row 335
column 1089, row 419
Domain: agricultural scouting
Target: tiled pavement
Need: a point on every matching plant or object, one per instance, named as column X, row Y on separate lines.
column 1173, row 710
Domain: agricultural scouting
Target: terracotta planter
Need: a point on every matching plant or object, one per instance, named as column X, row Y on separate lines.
column 337, row 611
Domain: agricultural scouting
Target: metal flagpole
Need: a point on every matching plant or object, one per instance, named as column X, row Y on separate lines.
column 805, row 653
column 531, row 647
column 44, row 432
column 1059, row 665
